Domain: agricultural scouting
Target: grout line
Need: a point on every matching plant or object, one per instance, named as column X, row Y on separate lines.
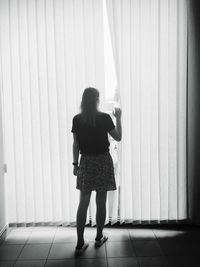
column 132, row 244
column 51, row 245
column 106, row 254
column 22, row 250
column 161, row 247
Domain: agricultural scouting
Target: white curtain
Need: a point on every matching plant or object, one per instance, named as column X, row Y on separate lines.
column 50, row 50
column 149, row 40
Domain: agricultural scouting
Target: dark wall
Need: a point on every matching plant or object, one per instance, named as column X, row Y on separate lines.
column 194, row 109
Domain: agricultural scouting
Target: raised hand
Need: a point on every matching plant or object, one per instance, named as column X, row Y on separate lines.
column 117, row 113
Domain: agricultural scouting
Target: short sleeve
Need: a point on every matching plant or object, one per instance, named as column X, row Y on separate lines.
column 109, row 123
column 74, row 125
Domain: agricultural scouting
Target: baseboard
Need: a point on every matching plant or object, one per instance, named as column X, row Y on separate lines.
column 4, row 231
column 108, row 223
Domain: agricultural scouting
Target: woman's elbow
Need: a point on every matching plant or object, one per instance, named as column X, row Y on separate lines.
column 75, row 146
column 119, row 138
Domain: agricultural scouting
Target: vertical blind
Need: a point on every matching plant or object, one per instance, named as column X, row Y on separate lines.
column 50, row 50
column 149, row 40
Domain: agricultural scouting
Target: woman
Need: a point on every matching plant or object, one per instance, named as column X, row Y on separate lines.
column 90, row 130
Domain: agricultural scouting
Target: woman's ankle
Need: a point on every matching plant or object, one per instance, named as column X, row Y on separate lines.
column 80, row 243
column 99, row 236
column 79, row 246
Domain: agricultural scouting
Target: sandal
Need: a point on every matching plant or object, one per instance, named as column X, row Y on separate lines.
column 79, row 251
column 99, row 242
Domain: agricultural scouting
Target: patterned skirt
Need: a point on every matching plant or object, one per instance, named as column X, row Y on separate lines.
column 96, row 172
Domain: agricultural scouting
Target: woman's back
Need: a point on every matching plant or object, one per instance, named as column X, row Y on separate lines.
column 93, row 140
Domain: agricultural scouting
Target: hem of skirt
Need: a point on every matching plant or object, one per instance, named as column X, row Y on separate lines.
column 94, row 189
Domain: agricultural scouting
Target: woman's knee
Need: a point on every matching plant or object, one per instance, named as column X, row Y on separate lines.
column 101, row 198
column 85, row 197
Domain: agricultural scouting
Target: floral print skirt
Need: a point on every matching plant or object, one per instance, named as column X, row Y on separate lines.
column 96, row 172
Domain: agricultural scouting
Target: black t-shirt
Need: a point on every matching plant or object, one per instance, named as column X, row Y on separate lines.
column 93, row 140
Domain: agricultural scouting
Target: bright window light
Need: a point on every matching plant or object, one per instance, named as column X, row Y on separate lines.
column 110, row 73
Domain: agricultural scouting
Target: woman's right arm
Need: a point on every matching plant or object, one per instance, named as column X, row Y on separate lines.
column 116, row 133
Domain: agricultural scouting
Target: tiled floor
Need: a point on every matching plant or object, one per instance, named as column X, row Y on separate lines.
column 136, row 246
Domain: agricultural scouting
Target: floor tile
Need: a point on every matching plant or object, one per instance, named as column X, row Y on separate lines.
column 62, row 251
column 192, row 246
column 10, row 252
column 179, row 246
column 141, row 234
column 170, row 246
column 115, row 234
column 65, row 236
column 123, row 262
column 93, row 252
column 119, row 249
column 17, row 237
column 184, row 261
column 147, row 248
column 77, row 263
column 41, row 237
column 70, row 228
column 36, row 263
column 35, row 252
column 22, row 229
column 153, row 262
column 90, row 233
column 62, row 263
column 169, row 233
column 6, row 263
column 45, row 228
column 66, row 250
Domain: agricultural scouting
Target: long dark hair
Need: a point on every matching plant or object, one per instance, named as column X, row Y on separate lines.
column 89, row 103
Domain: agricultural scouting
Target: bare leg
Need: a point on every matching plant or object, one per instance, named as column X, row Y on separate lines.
column 81, row 216
column 101, row 212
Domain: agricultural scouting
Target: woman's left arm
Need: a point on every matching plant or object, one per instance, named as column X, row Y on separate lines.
column 75, row 153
